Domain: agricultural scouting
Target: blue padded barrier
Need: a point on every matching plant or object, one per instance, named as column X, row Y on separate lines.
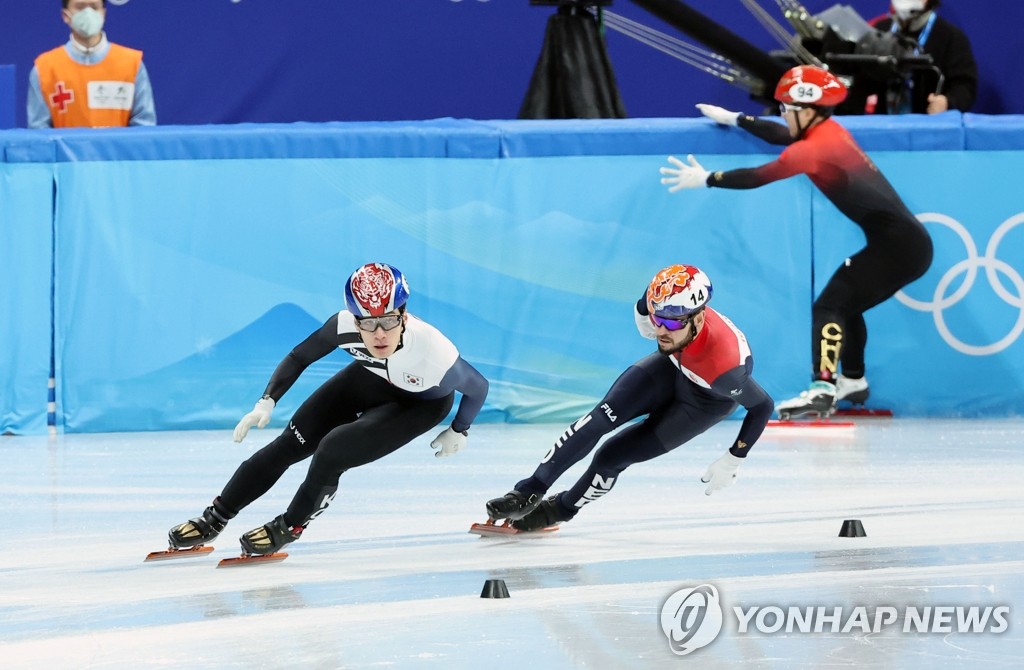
column 993, row 133
column 702, row 136
column 433, row 139
column 181, row 284
column 940, row 132
column 27, row 146
column 189, row 260
column 462, row 138
column 26, row 223
column 618, row 137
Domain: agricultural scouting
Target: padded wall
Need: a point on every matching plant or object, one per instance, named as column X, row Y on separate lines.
column 188, row 261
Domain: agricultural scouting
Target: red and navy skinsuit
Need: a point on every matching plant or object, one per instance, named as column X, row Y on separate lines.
column 898, row 249
column 682, row 394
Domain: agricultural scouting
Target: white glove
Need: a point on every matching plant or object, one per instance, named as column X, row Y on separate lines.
column 684, row 176
column 719, row 114
column 721, row 473
column 259, row 417
column 449, row 442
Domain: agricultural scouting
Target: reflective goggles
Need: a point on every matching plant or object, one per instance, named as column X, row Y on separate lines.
column 387, row 322
column 671, row 324
column 784, row 107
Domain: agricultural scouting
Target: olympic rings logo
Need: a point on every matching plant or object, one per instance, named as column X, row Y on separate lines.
column 993, row 268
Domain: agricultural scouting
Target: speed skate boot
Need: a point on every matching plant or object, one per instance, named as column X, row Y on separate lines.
column 548, row 513
column 270, row 537
column 854, row 391
column 819, row 399
column 513, row 505
column 197, row 531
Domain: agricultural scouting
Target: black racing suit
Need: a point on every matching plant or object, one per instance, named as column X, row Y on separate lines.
column 367, row 410
column 898, row 249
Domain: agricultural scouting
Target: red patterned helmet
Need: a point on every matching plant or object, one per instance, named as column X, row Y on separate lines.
column 678, row 291
column 810, row 86
column 375, row 289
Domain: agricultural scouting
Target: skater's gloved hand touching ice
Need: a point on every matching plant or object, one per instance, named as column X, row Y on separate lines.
column 721, row 473
column 683, row 175
column 259, row 417
column 718, row 114
column 449, row 442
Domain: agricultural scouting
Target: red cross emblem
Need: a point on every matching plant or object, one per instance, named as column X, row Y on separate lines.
column 61, row 97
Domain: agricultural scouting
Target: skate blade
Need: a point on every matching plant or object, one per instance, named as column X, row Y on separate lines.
column 251, row 559
column 505, row 529
column 171, row 554
column 806, row 427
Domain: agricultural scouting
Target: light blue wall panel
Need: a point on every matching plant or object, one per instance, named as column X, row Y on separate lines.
column 26, row 194
column 181, row 284
column 189, row 261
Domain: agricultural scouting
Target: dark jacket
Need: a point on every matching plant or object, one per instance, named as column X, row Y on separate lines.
column 951, row 52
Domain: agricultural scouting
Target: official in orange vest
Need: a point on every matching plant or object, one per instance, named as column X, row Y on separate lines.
column 89, row 81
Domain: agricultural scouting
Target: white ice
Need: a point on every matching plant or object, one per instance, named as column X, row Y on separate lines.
column 389, row 577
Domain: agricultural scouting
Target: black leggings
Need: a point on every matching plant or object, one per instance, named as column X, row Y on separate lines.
column 678, row 410
column 353, row 419
column 868, row 278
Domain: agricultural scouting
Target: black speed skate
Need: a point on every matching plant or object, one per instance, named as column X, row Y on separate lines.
column 270, row 537
column 197, row 531
column 513, row 505
column 548, row 513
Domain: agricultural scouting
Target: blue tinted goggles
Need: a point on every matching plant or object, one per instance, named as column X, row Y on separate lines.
column 671, row 324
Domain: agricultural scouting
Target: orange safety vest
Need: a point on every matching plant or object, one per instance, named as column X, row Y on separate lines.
column 92, row 96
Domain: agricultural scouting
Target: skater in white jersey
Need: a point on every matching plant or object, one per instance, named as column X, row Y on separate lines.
column 401, row 384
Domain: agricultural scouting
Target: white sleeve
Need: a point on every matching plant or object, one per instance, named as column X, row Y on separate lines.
column 644, row 325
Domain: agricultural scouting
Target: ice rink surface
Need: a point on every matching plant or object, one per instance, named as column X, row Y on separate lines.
column 389, row 577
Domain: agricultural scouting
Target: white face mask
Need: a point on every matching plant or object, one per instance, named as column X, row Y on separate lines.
column 907, row 9
column 87, row 22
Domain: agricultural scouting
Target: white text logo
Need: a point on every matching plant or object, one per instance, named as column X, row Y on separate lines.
column 944, row 619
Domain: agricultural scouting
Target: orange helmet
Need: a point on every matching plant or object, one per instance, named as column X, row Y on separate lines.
column 810, row 86
column 678, row 292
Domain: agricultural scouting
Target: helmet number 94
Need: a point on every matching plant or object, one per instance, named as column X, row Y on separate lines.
column 808, row 92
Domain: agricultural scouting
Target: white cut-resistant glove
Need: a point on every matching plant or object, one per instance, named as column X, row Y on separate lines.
column 719, row 114
column 683, row 175
column 449, row 442
column 721, row 473
column 259, row 417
